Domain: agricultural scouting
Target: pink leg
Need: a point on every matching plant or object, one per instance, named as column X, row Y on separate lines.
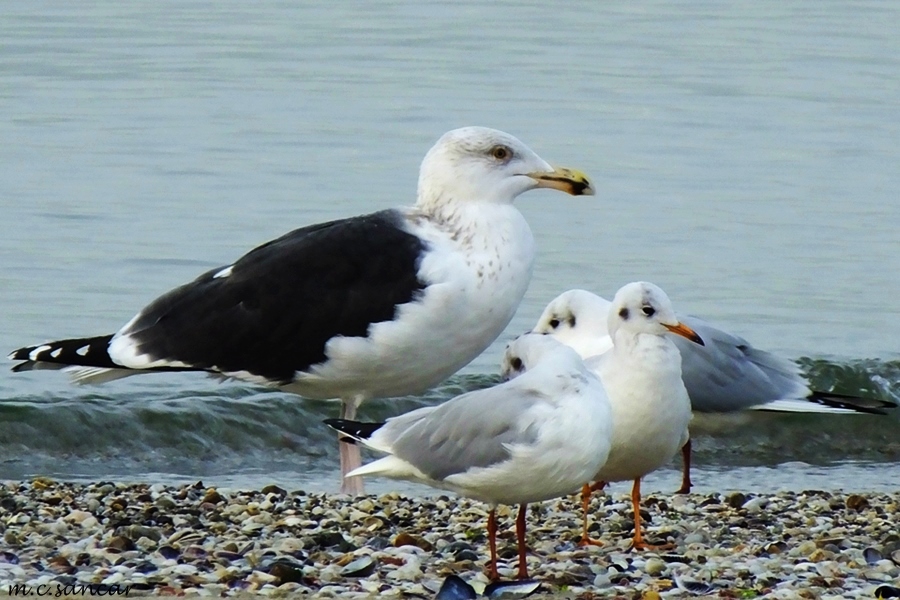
column 350, row 457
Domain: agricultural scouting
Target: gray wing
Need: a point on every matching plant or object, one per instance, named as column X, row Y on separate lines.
column 728, row 374
column 470, row 431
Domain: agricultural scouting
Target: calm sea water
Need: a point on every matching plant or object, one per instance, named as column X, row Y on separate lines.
column 746, row 159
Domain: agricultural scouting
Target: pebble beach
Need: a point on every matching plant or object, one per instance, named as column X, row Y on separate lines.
column 195, row 540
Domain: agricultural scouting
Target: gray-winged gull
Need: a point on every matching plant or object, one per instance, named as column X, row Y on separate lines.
column 725, row 375
column 642, row 377
column 537, row 437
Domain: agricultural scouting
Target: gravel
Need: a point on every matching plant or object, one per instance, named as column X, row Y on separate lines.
column 194, row 540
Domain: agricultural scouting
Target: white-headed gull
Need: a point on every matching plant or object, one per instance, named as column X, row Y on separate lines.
column 641, row 374
column 537, row 437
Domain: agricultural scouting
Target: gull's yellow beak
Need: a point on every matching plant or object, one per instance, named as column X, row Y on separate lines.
column 565, row 180
column 685, row 331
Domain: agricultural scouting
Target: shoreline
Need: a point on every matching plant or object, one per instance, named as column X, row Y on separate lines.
column 190, row 539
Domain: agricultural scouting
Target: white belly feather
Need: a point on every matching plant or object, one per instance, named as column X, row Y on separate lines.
column 651, row 413
column 477, row 273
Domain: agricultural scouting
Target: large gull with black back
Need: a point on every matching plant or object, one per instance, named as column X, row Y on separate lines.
column 381, row 305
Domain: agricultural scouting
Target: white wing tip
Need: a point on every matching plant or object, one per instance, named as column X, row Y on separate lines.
column 389, row 466
column 94, row 375
column 802, row 406
column 33, row 355
column 224, row 272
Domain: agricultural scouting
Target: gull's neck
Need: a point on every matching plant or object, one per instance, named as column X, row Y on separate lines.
column 469, row 217
column 595, row 343
column 489, row 231
column 550, row 368
column 439, row 208
column 646, row 347
column 438, row 202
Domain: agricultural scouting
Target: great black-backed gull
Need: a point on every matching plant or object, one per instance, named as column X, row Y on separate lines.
column 381, row 305
column 725, row 375
column 537, row 437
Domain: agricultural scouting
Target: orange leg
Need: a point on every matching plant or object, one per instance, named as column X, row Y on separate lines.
column 638, row 542
column 493, row 575
column 520, row 535
column 686, row 473
column 586, row 492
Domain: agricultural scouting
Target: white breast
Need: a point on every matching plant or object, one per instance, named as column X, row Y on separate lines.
column 651, row 411
column 477, row 268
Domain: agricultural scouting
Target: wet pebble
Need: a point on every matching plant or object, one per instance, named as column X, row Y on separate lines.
column 406, row 539
column 206, row 541
column 455, row 588
column 361, row 567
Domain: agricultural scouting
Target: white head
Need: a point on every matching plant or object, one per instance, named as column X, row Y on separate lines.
column 643, row 308
column 577, row 318
column 529, row 350
column 486, row 165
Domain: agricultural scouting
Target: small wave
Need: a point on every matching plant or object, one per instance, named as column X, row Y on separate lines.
column 870, row 378
column 191, row 426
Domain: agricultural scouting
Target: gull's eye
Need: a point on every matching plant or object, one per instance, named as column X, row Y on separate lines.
column 649, row 311
column 554, row 323
column 516, row 364
column 624, row 314
column 501, row 152
column 571, row 321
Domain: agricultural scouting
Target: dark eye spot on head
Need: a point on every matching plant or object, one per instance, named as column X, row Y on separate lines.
column 554, row 323
column 624, row 314
column 516, row 364
column 572, row 321
column 649, row 311
column 501, row 152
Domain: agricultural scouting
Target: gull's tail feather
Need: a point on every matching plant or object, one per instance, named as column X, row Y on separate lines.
column 794, row 405
column 356, row 431
column 85, row 360
column 828, row 403
column 872, row 406
column 77, row 352
column 389, row 466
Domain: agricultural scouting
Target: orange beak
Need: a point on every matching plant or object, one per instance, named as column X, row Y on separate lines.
column 686, row 332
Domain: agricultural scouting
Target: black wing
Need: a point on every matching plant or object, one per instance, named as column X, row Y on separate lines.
column 273, row 314
column 284, row 300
